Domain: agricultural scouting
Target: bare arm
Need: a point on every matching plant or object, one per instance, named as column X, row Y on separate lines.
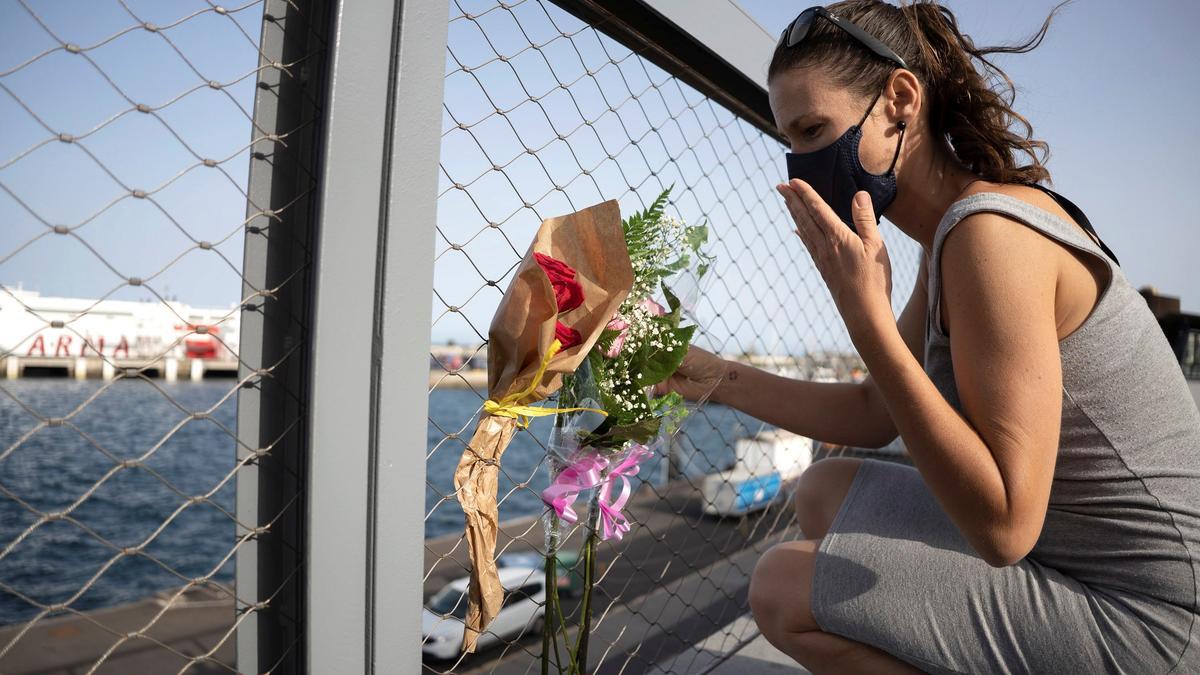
column 990, row 466
column 989, row 461
column 912, row 328
column 845, row 413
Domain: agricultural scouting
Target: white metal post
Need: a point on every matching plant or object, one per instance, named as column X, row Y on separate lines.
column 371, row 336
column 403, row 392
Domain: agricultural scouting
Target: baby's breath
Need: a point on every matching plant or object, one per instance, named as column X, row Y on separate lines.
column 644, row 337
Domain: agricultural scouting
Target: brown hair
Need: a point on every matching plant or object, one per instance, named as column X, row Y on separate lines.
column 965, row 106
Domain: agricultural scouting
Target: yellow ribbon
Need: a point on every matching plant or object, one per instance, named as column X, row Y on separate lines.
column 508, row 407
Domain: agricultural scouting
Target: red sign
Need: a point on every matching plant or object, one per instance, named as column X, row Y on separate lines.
column 62, row 348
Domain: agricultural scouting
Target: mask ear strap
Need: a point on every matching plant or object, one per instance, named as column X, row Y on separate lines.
column 901, row 125
column 870, row 108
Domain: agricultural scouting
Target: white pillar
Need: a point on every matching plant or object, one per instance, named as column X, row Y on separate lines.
column 197, row 370
column 81, row 368
column 107, row 370
column 12, row 368
column 172, row 370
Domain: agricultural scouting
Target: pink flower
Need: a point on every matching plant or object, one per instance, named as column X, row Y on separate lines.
column 615, row 348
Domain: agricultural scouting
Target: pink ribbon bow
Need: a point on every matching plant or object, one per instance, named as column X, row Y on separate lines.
column 586, row 473
column 583, row 474
column 614, row 523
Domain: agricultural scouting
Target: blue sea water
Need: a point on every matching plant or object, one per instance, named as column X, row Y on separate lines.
column 64, row 468
column 74, row 467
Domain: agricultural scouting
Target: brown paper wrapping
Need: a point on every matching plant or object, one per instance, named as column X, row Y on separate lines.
column 593, row 243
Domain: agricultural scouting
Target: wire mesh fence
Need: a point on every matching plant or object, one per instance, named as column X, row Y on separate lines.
column 155, row 172
column 544, row 114
column 157, row 184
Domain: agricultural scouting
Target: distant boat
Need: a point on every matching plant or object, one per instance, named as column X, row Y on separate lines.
column 764, row 465
column 35, row 326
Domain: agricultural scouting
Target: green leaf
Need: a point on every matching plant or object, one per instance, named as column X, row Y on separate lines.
column 634, row 361
column 566, row 394
column 661, row 364
column 685, row 336
column 642, row 431
column 671, row 409
column 606, row 339
column 672, row 300
column 678, row 264
column 596, row 361
column 667, row 401
column 614, row 432
column 696, row 235
column 637, row 220
column 656, row 209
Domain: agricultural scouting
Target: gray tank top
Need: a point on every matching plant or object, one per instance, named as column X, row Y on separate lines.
column 1124, row 511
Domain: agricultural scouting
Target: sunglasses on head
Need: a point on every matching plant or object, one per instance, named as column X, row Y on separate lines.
column 798, row 29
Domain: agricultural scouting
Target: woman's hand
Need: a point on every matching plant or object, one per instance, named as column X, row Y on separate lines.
column 700, row 372
column 855, row 267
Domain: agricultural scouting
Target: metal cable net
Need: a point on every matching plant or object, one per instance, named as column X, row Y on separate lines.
column 544, row 115
column 118, row 524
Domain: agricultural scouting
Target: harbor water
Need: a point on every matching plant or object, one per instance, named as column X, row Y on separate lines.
column 74, row 467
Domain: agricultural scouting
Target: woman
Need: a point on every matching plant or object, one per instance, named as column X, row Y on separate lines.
column 1051, row 520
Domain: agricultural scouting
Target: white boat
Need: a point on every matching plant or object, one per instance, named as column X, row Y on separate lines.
column 765, row 464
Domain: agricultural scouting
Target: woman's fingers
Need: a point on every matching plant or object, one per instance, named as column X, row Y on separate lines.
column 864, row 216
column 804, row 225
column 820, row 213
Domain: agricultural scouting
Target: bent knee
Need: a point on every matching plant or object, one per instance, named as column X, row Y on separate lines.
column 781, row 586
column 820, row 492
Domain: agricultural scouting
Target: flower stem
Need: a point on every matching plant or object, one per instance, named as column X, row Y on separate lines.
column 589, row 570
column 552, row 619
column 548, row 627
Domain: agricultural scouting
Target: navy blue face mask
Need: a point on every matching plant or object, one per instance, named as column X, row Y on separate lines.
column 836, row 172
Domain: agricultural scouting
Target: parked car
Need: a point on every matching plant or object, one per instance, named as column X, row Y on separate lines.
column 569, row 568
column 521, row 614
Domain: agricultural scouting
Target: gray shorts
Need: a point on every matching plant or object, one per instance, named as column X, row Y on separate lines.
column 894, row 572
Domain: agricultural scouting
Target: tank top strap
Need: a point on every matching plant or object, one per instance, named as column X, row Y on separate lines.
column 1078, row 215
column 1033, row 216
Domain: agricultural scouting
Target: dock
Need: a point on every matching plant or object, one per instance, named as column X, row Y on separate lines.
column 92, row 367
column 198, row 624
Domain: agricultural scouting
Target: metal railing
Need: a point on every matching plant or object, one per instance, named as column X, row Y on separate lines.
column 549, row 108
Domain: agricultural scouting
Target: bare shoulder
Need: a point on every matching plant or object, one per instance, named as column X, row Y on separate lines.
column 989, row 258
column 989, row 242
column 995, row 240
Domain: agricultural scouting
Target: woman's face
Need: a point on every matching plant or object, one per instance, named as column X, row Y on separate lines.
column 811, row 111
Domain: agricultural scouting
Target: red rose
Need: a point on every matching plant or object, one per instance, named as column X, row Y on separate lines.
column 567, row 292
column 569, row 337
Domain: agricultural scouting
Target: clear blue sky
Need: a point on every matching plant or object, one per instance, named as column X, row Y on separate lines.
column 1113, row 90
column 60, row 184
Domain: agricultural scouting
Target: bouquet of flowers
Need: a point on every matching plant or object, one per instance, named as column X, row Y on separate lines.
column 579, row 316
column 609, row 423
column 575, row 275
